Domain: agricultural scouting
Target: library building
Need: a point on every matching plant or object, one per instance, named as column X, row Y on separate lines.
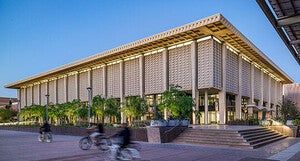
column 227, row 75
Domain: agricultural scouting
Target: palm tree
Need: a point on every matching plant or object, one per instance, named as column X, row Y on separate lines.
column 112, row 109
column 177, row 102
column 98, row 107
column 135, row 107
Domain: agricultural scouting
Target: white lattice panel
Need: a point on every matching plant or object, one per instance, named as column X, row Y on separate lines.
column 29, row 95
column 266, row 88
column 180, row 67
column 154, row 73
column 71, row 88
column 217, row 65
column 279, row 94
column 232, row 72
column 131, row 77
column 36, row 94
column 61, row 93
column 113, row 80
column 97, row 81
column 205, row 64
column 23, row 97
column 43, row 93
column 246, row 78
column 272, row 91
column 257, row 83
column 83, row 84
column 52, row 92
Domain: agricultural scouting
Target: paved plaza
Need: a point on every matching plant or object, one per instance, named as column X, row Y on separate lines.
column 23, row 146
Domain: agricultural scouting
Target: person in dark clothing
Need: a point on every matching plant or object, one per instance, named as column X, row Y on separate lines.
column 45, row 128
column 125, row 136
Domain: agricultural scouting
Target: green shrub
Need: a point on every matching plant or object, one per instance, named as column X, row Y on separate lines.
column 5, row 115
column 296, row 122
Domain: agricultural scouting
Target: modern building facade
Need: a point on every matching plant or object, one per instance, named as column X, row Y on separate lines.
column 227, row 76
column 292, row 92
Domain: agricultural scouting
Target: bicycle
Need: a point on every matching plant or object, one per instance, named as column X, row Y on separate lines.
column 115, row 152
column 96, row 139
column 45, row 137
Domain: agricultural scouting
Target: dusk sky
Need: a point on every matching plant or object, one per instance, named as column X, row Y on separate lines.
column 39, row 35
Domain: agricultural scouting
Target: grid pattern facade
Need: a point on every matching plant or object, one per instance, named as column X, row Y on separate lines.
column 257, row 83
column 232, row 71
column 272, row 94
column 113, row 80
column 154, row 73
column 52, row 92
column 246, row 78
column 23, row 97
column 180, row 68
column 205, row 64
column 266, row 88
column 43, row 93
column 280, row 91
column 29, row 95
column 72, row 93
column 61, row 91
column 132, row 77
column 97, row 81
column 83, row 84
column 217, row 64
column 36, row 94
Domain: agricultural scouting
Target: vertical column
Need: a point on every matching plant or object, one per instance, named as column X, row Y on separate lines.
column 275, row 94
column 261, row 101
column 104, row 81
column 66, row 88
column 166, row 75
column 47, row 88
column 206, row 108
column 25, row 89
column 55, row 92
column 90, row 84
column 195, row 92
column 32, row 94
column 77, row 86
column 269, row 92
column 222, row 93
column 19, row 99
column 238, row 97
column 142, row 75
column 39, row 94
column 251, row 100
column 122, row 97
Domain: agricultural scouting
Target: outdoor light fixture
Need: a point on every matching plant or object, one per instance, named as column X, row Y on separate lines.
column 89, row 104
column 47, row 98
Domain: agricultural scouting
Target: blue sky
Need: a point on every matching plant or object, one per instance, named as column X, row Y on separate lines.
column 39, row 35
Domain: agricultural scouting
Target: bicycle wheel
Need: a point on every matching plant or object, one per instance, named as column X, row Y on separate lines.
column 125, row 154
column 135, row 145
column 40, row 138
column 85, row 143
column 103, row 144
column 48, row 137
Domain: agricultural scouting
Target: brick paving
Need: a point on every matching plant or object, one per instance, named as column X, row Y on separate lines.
column 17, row 146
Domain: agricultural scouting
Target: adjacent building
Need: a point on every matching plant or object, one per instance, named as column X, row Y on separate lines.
column 227, row 76
column 292, row 92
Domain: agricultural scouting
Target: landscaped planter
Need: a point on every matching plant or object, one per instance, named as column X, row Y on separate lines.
column 158, row 123
column 185, row 122
column 173, row 122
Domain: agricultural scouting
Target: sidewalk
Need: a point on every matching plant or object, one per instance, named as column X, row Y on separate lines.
column 23, row 146
column 292, row 153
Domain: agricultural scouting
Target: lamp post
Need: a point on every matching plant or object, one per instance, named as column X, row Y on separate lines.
column 47, row 98
column 89, row 104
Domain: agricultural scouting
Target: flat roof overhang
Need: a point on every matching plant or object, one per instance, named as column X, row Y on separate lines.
column 215, row 25
column 287, row 23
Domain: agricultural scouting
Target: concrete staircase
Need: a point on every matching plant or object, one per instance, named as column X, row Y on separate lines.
column 250, row 138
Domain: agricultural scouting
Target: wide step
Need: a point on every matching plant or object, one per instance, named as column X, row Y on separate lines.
column 250, row 138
